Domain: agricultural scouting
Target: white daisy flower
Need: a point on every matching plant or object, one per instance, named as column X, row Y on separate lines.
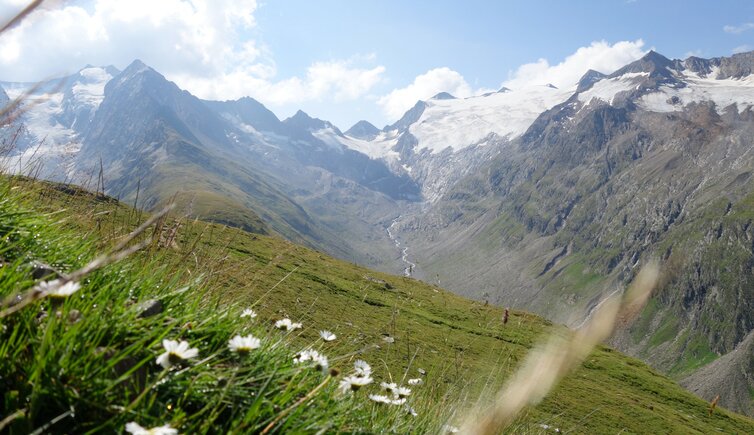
column 450, row 429
column 55, row 289
column 176, row 352
column 327, row 335
column 243, row 345
column 402, row 392
column 411, row 411
column 136, row 429
column 422, row 371
column 399, row 401
column 362, row 368
column 248, row 312
column 388, row 339
column 287, row 325
column 319, row 360
column 416, row 381
column 389, row 386
column 320, row 363
column 353, row 383
column 379, row 398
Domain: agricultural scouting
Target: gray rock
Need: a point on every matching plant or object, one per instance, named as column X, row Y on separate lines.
column 43, row 271
column 149, row 308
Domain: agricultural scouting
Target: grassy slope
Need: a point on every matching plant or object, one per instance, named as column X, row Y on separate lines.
column 462, row 344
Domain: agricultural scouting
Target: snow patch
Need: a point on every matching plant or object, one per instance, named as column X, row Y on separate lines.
column 90, row 89
column 379, row 147
column 607, row 89
column 41, row 120
column 458, row 124
column 330, row 138
column 723, row 92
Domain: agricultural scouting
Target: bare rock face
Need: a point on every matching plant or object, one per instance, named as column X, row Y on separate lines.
column 730, row 377
column 737, row 66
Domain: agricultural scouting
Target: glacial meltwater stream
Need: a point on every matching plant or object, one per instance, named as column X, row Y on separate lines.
column 409, row 266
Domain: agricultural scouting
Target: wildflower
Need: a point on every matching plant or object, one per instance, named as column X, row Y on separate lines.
column 136, row 429
column 390, row 387
column 388, row 339
column 319, row 360
column 402, row 392
column 362, row 368
column 243, row 345
column 176, row 352
column 450, row 429
column 416, row 381
column 287, row 325
column 248, row 312
column 422, row 371
column 411, row 411
column 353, row 383
column 55, row 289
column 327, row 335
column 379, row 398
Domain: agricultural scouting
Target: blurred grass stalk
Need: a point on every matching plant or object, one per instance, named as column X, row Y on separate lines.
column 548, row 363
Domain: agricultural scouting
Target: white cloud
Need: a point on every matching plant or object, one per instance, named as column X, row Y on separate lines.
column 423, row 87
column 742, row 49
column 338, row 80
column 738, row 29
column 694, row 53
column 599, row 56
column 199, row 44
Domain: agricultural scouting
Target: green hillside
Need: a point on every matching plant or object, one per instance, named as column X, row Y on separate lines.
column 87, row 364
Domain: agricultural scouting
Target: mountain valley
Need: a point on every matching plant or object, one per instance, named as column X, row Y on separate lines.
column 541, row 198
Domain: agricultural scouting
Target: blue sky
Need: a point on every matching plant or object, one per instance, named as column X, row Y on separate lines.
column 349, row 60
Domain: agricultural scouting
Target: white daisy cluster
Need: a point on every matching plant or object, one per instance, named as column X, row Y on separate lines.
column 320, row 361
column 362, row 376
column 286, row 325
column 397, row 394
column 380, row 398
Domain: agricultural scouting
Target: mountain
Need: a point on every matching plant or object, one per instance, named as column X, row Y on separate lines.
column 232, row 162
column 363, row 130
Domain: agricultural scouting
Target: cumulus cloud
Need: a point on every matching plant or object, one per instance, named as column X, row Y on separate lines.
column 738, row 29
column 339, row 80
column 199, row 44
column 423, row 87
column 599, row 56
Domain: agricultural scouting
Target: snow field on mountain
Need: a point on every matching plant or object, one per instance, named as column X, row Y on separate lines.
column 723, row 92
column 607, row 89
column 462, row 123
